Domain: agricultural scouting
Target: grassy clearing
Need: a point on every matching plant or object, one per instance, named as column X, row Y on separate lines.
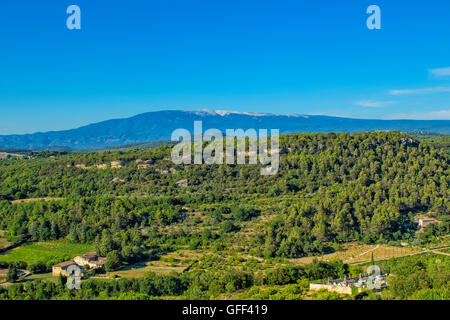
column 47, row 252
column 35, row 199
column 171, row 262
column 42, row 276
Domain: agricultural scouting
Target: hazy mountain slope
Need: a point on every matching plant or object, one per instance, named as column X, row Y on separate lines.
column 154, row 126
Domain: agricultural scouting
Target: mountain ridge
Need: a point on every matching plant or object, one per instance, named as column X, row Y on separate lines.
column 158, row 125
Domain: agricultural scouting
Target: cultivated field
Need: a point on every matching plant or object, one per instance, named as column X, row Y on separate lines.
column 47, row 252
column 361, row 253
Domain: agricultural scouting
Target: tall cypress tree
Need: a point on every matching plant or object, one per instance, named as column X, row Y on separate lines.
column 12, row 273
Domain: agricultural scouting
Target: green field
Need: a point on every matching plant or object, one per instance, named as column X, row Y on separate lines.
column 47, row 252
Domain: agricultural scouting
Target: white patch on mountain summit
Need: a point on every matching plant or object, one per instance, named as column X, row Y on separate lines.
column 256, row 114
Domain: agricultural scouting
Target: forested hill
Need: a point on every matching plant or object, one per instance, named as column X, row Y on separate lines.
column 330, row 188
column 159, row 125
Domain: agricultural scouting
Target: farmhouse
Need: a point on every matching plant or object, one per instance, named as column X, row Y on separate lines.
column 62, row 268
column 349, row 285
column 91, row 260
column 423, row 222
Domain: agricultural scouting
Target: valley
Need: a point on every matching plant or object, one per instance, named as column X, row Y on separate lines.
column 339, row 203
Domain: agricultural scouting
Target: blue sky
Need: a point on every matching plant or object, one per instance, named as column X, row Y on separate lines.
column 284, row 56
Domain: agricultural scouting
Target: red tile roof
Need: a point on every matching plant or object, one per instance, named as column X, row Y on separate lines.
column 89, row 255
column 65, row 264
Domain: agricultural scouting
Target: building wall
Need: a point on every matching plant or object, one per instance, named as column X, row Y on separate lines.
column 426, row 223
column 56, row 271
column 80, row 261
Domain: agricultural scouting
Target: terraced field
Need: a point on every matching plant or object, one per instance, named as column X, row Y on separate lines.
column 361, row 253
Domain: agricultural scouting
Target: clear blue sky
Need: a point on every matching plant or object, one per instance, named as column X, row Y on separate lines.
column 281, row 56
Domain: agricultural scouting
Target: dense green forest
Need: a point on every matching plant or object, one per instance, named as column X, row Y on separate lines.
column 438, row 141
column 331, row 189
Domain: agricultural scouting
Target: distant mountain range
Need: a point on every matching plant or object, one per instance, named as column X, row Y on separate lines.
column 159, row 125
